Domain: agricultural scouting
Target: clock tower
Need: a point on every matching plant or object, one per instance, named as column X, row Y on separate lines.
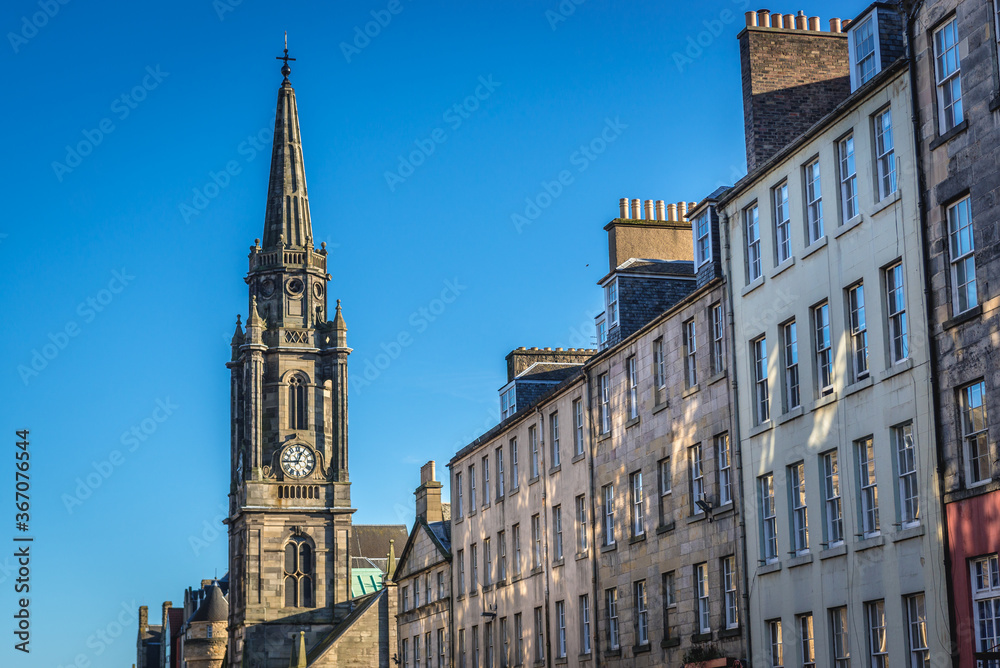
column 290, row 496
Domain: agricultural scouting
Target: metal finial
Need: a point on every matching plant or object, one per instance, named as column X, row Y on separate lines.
column 285, row 69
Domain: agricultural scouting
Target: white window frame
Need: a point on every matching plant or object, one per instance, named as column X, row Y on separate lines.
column 585, row 623
column 533, row 443
column 611, row 610
column 508, row 402
column 807, row 640
column 976, row 448
column 702, row 238
column 832, row 499
column 611, row 302
column 557, row 532
column 690, row 353
column 885, row 156
column 461, row 573
column 729, row 595
column 800, row 509
column 472, row 488
column 814, row 201
column 916, row 636
column 751, row 229
column 858, row 326
column 608, row 494
column 501, row 483
column 560, row 629
column 840, row 644
column 641, row 613
column 487, row 561
column 762, row 407
column 663, row 474
column 696, row 463
column 460, row 494
column 768, row 519
column 823, row 345
column 718, row 340
column 659, row 372
column 501, row 557
column 782, row 223
column 605, row 403
column 948, row 76
column 704, row 613
column 985, row 583
column 776, row 653
column 961, row 250
column 847, row 171
column 536, row 542
column 581, row 524
column 878, row 641
column 578, row 431
column 554, row 438
column 638, row 509
column 473, row 568
column 906, row 472
column 515, row 544
column 633, row 388
column 868, row 487
column 724, row 462
column 790, row 346
column 899, row 347
column 866, row 30
column 486, row 480
column 539, row 635
column 513, row 464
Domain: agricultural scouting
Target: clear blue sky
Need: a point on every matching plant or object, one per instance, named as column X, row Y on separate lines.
column 157, row 332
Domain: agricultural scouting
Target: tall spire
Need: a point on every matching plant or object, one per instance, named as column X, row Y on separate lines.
column 287, row 216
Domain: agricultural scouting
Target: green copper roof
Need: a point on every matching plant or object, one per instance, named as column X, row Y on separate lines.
column 365, row 581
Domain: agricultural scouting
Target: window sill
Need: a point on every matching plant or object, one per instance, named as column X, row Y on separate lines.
column 729, row 633
column 665, row 528
column 560, row 661
column 784, row 266
column 659, row 407
column 670, row 642
column 862, row 384
column 815, row 246
column 532, row 481
column 697, row 517
column 578, row 458
column 487, row 588
column 716, row 378
column 769, row 568
column 702, row 637
column 835, row 551
column 760, row 429
column 824, row 401
column 561, row 561
column 472, row 513
column 473, row 593
column 886, row 202
column 641, row 649
column 500, row 583
column 583, row 657
column 897, row 368
column 791, row 415
column 950, row 134
column 555, row 469
column 848, row 226
column 963, row 317
column 535, row 571
column 611, row 653
column 513, row 491
column 486, row 504
column 869, row 543
column 641, row 538
column 753, row 285
column 633, row 422
column 908, row 533
column 691, row 390
column 609, row 548
column 582, row 555
column 603, row 437
column 459, row 520
column 800, row 560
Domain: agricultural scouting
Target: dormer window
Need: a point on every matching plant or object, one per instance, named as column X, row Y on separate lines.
column 508, row 403
column 611, row 299
column 602, row 332
column 863, row 48
column 702, row 240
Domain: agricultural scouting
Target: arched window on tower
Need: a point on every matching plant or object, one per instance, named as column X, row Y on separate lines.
column 296, row 403
column 299, row 574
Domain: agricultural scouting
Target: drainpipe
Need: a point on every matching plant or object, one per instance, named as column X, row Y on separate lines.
column 931, row 343
column 544, row 520
column 595, row 643
column 737, row 437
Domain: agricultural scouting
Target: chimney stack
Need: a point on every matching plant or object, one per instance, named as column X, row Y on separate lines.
column 793, row 75
column 143, row 619
column 166, row 607
column 429, row 495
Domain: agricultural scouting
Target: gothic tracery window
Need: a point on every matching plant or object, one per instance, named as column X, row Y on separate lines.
column 296, row 403
column 298, row 574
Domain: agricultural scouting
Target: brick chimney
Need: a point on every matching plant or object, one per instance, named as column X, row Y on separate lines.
column 143, row 620
column 429, row 496
column 166, row 610
column 792, row 77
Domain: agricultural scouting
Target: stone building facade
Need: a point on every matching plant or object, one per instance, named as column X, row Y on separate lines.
column 423, row 578
column 835, row 413
column 957, row 106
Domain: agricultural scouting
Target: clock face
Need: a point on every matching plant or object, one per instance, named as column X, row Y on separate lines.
column 297, row 461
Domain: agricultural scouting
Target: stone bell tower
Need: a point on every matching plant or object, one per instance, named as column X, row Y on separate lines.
column 290, row 496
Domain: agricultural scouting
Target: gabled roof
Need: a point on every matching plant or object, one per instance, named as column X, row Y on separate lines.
column 439, row 533
column 361, row 605
column 372, row 540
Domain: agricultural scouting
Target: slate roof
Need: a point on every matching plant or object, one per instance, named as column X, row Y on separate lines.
column 372, row 540
column 442, row 532
column 659, row 267
column 214, row 608
column 549, row 371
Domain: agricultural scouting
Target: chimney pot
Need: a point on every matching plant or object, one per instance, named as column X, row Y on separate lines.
column 814, row 23
column 649, row 209
column 764, row 18
column 661, row 210
column 682, row 211
column 636, row 209
column 834, row 25
column 672, row 212
column 751, row 19
column 790, row 21
column 801, row 22
column 623, row 207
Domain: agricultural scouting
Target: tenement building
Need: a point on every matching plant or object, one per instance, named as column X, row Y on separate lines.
column 423, row 578
column 835, row 414
column 957, row 103
column 665, row 475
